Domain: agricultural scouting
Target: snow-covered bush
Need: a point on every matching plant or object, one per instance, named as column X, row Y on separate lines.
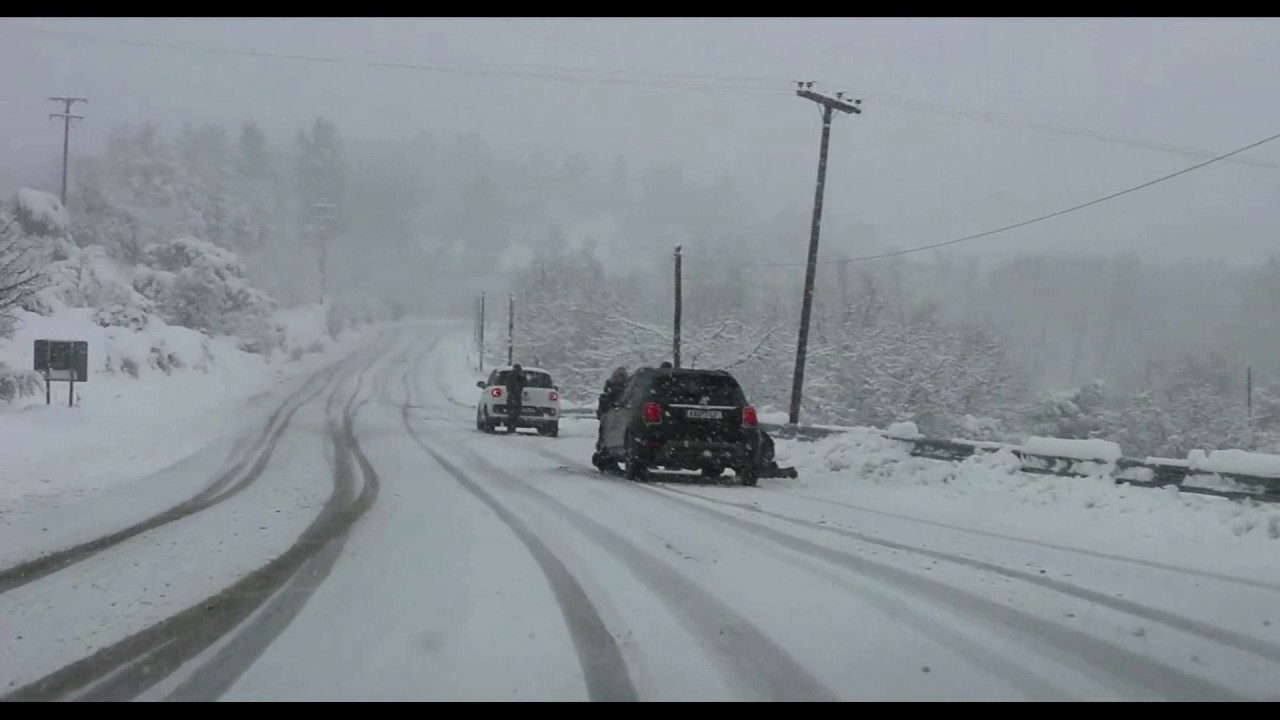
column 40, row 214
column 18, row 384
column 88, row 278
column 199, row 285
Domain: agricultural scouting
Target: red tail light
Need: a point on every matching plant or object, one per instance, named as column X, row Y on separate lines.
column 652, row 413
column 496, row 392
column 555, row 396
column 749, row 416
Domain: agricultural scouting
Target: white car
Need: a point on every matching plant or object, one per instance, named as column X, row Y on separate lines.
column 541, row 402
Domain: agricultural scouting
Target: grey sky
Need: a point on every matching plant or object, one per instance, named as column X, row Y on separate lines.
column 918, row 175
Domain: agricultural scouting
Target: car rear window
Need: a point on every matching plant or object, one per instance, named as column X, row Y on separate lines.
column 531, row 379
column 697, row 389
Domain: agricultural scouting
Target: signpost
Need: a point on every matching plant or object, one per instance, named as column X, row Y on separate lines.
column 62, row 361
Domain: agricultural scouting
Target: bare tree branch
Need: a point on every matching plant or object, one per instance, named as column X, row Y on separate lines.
column 20, row 278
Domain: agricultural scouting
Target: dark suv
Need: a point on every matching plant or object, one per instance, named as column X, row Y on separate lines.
column 680, row 419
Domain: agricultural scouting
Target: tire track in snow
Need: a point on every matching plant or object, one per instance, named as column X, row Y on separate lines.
column 759, row 666
column 1230, row 638
column 981, row 655
column 259, row 455
column 604, row 670
column 127, row 668
column 948, row 557
column 230, row 662
column 1098, row 656
column 1138, row 670
column 1155, row 564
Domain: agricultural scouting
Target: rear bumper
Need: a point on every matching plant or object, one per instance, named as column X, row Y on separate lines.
column 692, row 455
column 532, row 414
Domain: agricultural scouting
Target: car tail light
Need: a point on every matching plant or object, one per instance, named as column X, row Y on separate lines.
column 555, row 396
column 496, row 392
column 652, row 413
column 749, row 416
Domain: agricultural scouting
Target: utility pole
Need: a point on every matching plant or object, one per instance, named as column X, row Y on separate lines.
column 511, row 328
column 829, row 106
column 1248, row 396
column 322, row 219
column 481, row 332
column 675, row 342
column 67, row 117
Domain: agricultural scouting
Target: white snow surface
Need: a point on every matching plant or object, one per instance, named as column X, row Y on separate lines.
column 495, row 567
column 1092, row 449
column 903, row 431
column 123, row 427
column 1238, row 462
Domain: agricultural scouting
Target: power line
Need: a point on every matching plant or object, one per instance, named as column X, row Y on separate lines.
column 1025, row 223
column 546, row 73
column 684, row 81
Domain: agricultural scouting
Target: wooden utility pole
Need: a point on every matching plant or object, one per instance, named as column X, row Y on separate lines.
column 675, row 341
column 829, row 106
column 481, row 332
column 1248, row 396
column 67, row 117
column 322, row 223
column 511, row 329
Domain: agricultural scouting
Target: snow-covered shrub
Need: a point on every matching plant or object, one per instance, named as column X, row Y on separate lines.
column 89, row 278
column 17, row 384
column 118, row 315
column 199, row 285
column 40, row 214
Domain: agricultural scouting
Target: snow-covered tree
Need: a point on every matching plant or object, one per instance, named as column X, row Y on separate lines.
column 199, row 285
column 20, row 273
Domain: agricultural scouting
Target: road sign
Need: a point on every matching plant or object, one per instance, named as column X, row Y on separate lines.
column 61, row 357
column 62, row 361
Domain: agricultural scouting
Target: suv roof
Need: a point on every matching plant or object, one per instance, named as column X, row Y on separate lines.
column 687, row 371
column 509, row 368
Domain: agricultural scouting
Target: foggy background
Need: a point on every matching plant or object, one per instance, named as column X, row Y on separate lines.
column 563, row 160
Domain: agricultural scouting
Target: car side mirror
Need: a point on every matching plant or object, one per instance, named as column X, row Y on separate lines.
column 480, row 384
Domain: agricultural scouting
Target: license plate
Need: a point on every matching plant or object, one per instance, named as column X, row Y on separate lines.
column 704, row 414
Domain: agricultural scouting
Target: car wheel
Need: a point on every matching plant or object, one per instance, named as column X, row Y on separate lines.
column 602, row 462
column 635, row 468
column 749, row 475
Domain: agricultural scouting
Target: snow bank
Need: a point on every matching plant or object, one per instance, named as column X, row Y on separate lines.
column 863, row 451
column 154, row 396
column 988, row 490
column 1094, row 450
column 1235, row 462
column 904, row 431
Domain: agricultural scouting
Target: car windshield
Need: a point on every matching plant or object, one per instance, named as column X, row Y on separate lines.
column 697, row 389
column 531, row 379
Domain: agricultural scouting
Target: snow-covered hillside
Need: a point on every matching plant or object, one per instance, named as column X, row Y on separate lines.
column 176, row 343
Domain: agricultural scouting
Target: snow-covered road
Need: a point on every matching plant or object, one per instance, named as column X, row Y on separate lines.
column 370, row 544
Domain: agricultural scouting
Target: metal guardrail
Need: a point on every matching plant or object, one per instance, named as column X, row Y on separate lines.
column 1162, row 475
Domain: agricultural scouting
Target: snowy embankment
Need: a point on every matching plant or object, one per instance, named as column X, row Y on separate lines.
column 154, row 397
column 989, row 491
column 178, row 340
